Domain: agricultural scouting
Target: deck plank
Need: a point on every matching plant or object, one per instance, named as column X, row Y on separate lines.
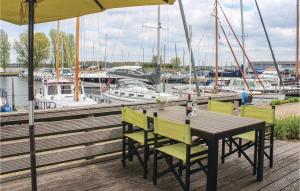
column 111, row 175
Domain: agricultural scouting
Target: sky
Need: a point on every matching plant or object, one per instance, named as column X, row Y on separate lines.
column 129, row 31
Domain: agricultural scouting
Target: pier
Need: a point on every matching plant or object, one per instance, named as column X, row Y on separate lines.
column 79, row 149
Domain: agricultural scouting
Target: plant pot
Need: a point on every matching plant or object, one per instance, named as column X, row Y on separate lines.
column 161, row 106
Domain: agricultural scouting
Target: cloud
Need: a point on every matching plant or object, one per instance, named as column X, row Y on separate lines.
column 127, row 38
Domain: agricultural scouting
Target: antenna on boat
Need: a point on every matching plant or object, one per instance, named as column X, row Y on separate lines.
column 77, row 59
column 158, row 40
column 105, row 46
column 297, row 44
column 190, row 59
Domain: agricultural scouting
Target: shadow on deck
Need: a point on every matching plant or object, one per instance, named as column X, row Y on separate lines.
column 235, row 174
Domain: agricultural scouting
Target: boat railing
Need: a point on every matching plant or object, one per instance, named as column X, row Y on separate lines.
column 44, row 104
column 98, row 98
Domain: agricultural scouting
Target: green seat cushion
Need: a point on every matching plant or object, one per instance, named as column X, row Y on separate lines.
column 248, row 136
column 179, row 151
column 139, row 137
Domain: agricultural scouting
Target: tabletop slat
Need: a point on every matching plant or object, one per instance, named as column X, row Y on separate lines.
column 206, row 122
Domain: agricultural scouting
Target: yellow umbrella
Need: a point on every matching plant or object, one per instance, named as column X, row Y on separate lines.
column 39, row 11
column 15, row 11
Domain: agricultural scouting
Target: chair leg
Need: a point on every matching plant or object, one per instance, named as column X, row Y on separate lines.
column 187, row 177
column 223, row 151
column 240, row 144
column 271, row 146
column 255, row 154
column 155, row 168
column 145, row 161
column 130, row 150
column 124, row 152
column 180, row 169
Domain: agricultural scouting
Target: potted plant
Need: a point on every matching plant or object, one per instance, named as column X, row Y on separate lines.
column 161, row 101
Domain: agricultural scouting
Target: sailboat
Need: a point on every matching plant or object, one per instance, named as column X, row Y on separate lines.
column 61, row 92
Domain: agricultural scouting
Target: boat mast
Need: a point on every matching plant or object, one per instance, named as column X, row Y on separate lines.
column 105, row 51
column 297, row 44
column 158, row 39
column 57, row 51
column 187, row 40
column 243, row 35
column 77, row 59
column 269, row 43
column 190, row 60
column 217, row 43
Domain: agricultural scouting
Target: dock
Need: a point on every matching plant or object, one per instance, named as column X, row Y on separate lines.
column 79, row 149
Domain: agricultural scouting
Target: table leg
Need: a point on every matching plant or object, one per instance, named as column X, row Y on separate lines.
column 261, row 144
column 212, row 173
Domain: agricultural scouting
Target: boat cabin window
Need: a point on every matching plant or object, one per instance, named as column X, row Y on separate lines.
column 52, row 90
column 66, row 89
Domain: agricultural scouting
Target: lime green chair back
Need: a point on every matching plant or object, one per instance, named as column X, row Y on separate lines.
column 265, row 114
column 220, row 107
column 172, row 130
column 135, row 118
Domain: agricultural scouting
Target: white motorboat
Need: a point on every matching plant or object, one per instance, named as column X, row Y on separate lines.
column 129, row 90
column 59, row 94
column 120, row 72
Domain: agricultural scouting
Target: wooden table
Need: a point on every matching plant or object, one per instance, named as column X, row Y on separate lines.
column 213, row 127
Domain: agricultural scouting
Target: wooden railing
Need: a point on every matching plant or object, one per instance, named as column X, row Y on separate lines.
column 65, row 138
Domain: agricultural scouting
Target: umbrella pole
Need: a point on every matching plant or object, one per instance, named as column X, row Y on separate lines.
column 30, row 92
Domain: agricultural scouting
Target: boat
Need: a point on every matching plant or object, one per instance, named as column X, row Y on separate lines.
column 132, row 90
column 113, row 74
column 43, row 73
column 59, row 94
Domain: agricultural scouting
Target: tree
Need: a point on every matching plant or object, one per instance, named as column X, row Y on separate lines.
column 154, row 59
column 175, row 62
column 67, row 44
column 41, row 49
column 4, row 49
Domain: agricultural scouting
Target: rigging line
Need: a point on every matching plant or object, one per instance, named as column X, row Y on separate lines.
column 243, row 50
column 234, row 56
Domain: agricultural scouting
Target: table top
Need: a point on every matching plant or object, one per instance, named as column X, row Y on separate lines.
column 207, row 123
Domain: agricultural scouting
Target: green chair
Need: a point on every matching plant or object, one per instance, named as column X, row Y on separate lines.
column 224, row 108
column 265, row 114
column 220, row 107
column 181, row 148
column 137, row 138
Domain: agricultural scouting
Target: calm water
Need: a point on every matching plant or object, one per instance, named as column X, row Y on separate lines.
column 21, row 89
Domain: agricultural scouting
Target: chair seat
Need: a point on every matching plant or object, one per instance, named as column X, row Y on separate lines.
column 250, row 136
column 179, row 151
column 139, row 137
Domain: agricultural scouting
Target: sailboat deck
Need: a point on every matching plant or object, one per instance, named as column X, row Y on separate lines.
column 235, row 174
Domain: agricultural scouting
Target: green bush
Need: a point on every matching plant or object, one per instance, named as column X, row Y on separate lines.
column 288, row 128
column 289, row 100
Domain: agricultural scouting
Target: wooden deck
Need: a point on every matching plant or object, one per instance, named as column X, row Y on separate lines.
column 235, row 174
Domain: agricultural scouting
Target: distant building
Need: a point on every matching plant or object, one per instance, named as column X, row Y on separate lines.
column 284, row 65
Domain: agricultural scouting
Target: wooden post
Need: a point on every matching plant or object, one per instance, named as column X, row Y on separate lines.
column 297, row 44
column 13, row 94
column 77, row 59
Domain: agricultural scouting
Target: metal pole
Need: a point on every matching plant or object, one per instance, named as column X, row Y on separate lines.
column 269, row 43
column 187, row 40
column 297, row 44
column 243, row 35
column 158, row 39
column 217, row 44
column 31, row 93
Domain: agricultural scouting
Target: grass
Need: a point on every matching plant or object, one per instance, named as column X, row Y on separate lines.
column 2, row 74
column 288, row 128
column 289, row 100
